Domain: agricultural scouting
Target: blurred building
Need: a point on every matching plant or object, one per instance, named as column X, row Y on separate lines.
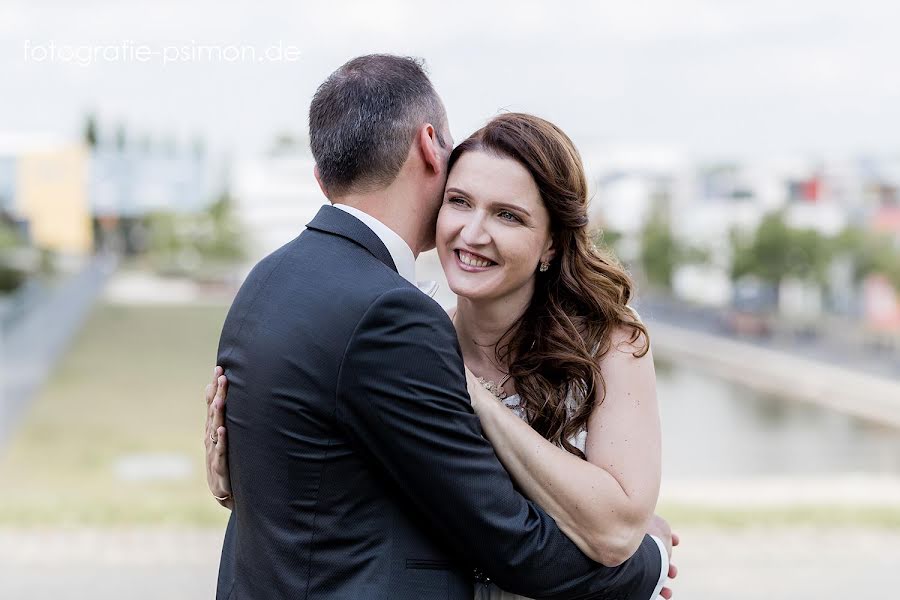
column 705, row 204
column 275, row 197
column 69, row 198
column 628, row 183
column 881, row 304
column 132, row 182
column 128, row 183
column 881, row 300
column 728, row 197
column 826, row 197
column 7, row 183
column 882, row 194
column 43, row 189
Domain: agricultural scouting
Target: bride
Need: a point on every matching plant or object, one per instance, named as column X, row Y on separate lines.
column 560, row 370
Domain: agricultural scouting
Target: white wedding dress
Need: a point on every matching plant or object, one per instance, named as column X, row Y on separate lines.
column 489, row 591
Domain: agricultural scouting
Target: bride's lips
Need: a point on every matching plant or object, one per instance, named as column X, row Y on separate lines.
column 471, row 255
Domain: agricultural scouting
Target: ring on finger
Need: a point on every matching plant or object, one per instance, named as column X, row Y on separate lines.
column 213, row 438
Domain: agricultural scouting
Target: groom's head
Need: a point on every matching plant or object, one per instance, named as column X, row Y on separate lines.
column 375, row 120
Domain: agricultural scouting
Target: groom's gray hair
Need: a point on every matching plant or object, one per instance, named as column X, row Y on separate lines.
column 364, row 117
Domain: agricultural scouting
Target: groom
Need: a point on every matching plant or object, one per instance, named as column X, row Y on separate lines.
column 358, row 468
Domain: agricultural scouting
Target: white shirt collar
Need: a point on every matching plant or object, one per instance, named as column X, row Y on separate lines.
column 403, row 256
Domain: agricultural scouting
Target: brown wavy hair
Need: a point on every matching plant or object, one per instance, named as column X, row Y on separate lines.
column 553, row 350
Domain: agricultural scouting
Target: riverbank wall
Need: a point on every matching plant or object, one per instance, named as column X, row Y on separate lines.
column 868, row 396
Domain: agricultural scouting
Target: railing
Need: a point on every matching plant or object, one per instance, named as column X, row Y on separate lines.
column 37, row 301
column 14, row 306
column 36, row 325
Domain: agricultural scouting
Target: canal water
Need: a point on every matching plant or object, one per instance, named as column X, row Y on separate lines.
column 714, row 429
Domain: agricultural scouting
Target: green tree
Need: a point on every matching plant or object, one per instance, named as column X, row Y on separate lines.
column 196, row 244
column 869, row 253
column 662, row 252
column 198, row 148
column 658, row 251
column 11, row 276
column 776, row 251
column 607, row 239
column 90, row 131
column 224, row 242
column 121, row 138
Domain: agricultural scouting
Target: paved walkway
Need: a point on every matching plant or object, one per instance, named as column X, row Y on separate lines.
column 786, row 564
column 101, row 565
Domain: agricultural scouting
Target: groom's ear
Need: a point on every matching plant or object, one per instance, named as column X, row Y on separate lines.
column 319, row 181
column 430, row 148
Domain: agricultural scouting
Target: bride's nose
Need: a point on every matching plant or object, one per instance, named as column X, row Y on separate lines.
column 474, row 232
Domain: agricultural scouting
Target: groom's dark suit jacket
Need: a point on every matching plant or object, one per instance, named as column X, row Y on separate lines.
column 358, row 468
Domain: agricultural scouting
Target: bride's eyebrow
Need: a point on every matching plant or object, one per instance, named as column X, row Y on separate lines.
column 503, row 205
column 453, row 190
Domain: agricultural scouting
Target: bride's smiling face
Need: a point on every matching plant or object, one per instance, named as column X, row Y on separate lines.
column 493, row 229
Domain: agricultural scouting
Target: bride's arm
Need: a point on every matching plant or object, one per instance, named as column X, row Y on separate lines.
column 602, row 504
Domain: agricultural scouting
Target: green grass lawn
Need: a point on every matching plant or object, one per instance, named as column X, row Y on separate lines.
column 132, row 383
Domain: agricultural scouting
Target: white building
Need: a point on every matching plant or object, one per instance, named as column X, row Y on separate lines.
column 132, row 182
column 629, row 182
column 275, row 197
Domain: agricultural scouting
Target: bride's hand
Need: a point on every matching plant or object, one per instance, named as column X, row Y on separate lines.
column 480, row 397
column 473, row 387
column 217, row 476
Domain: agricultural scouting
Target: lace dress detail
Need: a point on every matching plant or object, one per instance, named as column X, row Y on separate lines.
column 484, row 590
column 514, row 403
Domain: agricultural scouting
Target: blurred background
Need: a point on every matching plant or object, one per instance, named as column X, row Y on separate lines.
column 744, row 161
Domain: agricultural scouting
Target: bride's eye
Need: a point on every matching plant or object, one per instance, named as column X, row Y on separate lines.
column 456, row 200
column 508, row 216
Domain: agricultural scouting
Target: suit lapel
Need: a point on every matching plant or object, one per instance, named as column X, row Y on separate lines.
column 338, row 222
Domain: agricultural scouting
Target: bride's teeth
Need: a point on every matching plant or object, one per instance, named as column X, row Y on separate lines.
column 471, row 261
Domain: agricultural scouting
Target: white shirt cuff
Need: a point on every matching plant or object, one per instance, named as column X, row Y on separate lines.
column 663, row 568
